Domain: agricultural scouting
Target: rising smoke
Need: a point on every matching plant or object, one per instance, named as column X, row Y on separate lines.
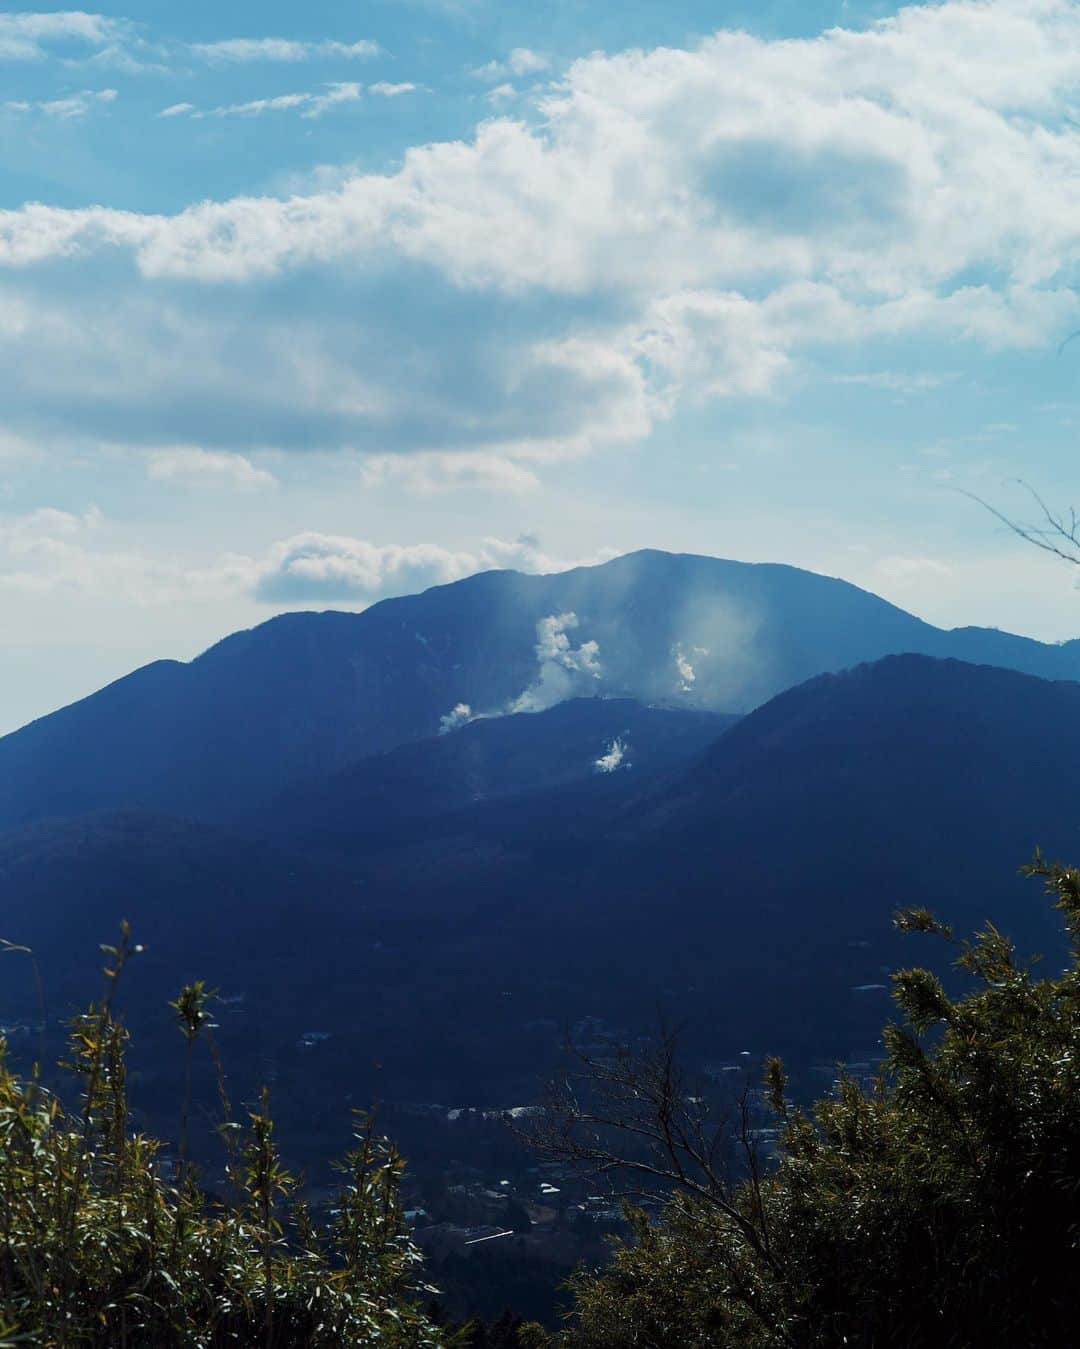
column 613, row 758
column 458, row 716
column 684, row 669
column 565, row 670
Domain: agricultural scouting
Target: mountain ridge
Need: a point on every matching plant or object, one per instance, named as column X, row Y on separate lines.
column 307, row 694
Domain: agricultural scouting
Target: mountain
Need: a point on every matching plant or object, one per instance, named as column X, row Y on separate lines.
column 307, row 694
column 386, row 797
column 751, row 892
column 906, row 780
column 744, row 891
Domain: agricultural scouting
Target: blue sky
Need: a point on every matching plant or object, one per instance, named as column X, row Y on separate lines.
column 305, row 307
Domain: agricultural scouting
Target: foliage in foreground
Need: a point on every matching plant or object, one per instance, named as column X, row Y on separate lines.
column 98, row 1249
column 940, row 1209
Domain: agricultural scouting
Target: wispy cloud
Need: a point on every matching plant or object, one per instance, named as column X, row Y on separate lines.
column 30, row 36
column 904, row 383
column 307, row 104
column 242, row 50
column 64, row 109
column 521, row 61
column 177, row 109
column 207, row 468
column 385, row 90
column 435, row 472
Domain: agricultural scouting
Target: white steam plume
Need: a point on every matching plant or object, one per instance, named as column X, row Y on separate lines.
column 458, row 716
column 564, row 668
column 613, row 757
column 685, row 670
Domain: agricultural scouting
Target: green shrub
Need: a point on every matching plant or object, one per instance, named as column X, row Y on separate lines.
column 941, row 1208
column 99, row 1248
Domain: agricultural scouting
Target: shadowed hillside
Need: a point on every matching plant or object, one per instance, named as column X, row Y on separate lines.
column 387, row 796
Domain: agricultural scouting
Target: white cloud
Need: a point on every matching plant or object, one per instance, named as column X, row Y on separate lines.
column 29, row 36
column 197, row 466
column 386, row 90
column 862, row 162
column 430, row 473
column 327, row 568
column 321, row 567
column 308, row 104
column 64, row 109
column 51, row 551
column 905, row 383
column 77, row 39
column 863, row 174
column 896, row 568
column 177, row 109
column 24, row 533
column 234, row 51
column 48, row 552
column 521, row 61
column 662, row 226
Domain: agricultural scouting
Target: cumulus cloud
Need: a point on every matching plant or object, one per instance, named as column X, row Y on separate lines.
column 564, row 670
column 203, row 466
column 613, row 757
column 50, row 550
column 326, row 568
column 313, row 567
column 658, row 228
column 863, row 172
column 235, row 51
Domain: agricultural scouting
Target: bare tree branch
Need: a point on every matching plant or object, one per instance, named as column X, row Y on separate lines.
column 1057, row 534
column 636, row 1116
